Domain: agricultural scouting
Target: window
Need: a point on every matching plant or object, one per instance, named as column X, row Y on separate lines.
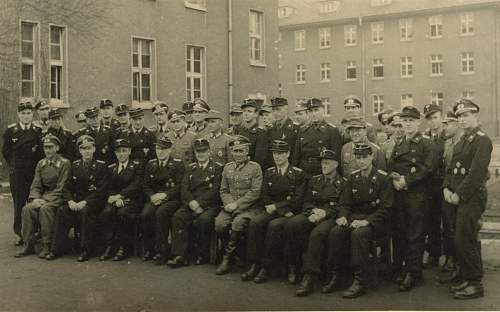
column 57, row 62
column 406, row 67
column 350, row 68
column 380, row 2
column 406, row 100
column 377, row 32
column 437, row 98
column 325, row 72
column 328, row 6
column 436, row 24
column 29, row 58
column 324, row 38
column 378, row 103
column 196, row 4
column 350, row 35
column 436, row 65
column 468, row 95
column 405, row 29
column 467, row 61
column 256, row 38
column 195, row 73
column 142, row 70
column 300, row 40
column 378, row 68
column 327, row 106
column 467, row 23
column 300, row 74
column 300, row 100
column 284, row 12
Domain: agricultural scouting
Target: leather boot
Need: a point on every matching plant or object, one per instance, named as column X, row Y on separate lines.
column 45, row 251
column 225, row 266
column 472, row 291
column 306, row 285
column 292, row 274
column 29, row 249
column 262, row 276
column 410, row 281
column 333, row 283
column 250, row 274
column 449, row 265
column 356, row 289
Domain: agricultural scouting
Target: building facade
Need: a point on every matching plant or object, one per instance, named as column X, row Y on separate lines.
column 391, row 53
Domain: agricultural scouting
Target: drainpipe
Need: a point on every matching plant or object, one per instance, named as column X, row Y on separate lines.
column 230, row 52
column 497, row 86
column 363, row 65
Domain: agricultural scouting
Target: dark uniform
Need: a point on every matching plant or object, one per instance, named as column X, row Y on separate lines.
column 112, row 123
column 141, row 142
column 285, row 130
column 259, row 144
column 66, row 138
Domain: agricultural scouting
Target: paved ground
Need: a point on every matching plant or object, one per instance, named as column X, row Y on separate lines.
column 31, row 284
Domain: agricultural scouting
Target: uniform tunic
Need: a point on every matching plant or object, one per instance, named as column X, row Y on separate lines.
column 349, row 163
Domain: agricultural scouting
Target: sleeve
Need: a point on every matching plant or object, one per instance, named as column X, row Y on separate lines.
column 99, row 195
column 379, row 161
column 423, row 170
column 211, row 197
column 265, row 198
column 225, row 193
column 186, row 195
column 57, row 192
column 345, row 203
column 36, row 186
column 69, row 186
column 308, row 197
column 147, row 182
column 293, row 204
column 133, row 189
column 261, row 148
column 174, row 192
column 297, row 151
column 377, row 218
column 335, row 140
column 253, row 194
column 7, row 146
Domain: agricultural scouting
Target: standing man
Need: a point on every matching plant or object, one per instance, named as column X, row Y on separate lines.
column 46, row 195
column 301, row 116
column 219, row 141
column 80, row 119
column 200, row 204
column 160, row 112
column 258, row 149
column 410, row 167
column 240, row 189
column 106, row 110
column 235, row 119
column 182, row 139
column 383, row 119
column 200, row 111
column 187, row 108
column 465, row 188
column 266, row 118
column 284, row 128
column 22, row 150
column 397, row 135
column 56, row 128
column 353, row 106
column 141, row 139
column 42, row 109
column 122, row 113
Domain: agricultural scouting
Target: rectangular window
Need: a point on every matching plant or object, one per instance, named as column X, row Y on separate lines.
column 300, row 40
column 327, row 106
column 196, row 4
column 57, row 54
column 437, row 98
column 300, row 74
column 406, row 29
column 406, row 100
column 467, row 23
column 436, row 26
column 468, row 95
column 380, row 2
column 436, row 65
column 325, row 72
column 350, row 68
column 195, row 73
column 378, row 103
column 406, row 67
column 378, row 68
column 324, row 38
column 377, row 32
column 350, row 35
column 142, row 70
column 467, row 61
column 300, row 100
column 29, row 57
column 328, row 6
column 256, row 34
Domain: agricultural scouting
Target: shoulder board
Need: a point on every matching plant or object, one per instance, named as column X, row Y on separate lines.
column 382, row 172
column 220, row 164
column 152, row 128
column 297, row 169
column 77, row 162
column 317, row 176
column 375, row 145
column 369, row 124
column 11, row 125
column 112, row 166
column 192, row 165
column 230, row 163
column 253, row 163
column 344, row 178
column 177, row 160
column 136, row 162
column 100, row 162
column 151, row 160
column 481, row 133
column 295, row 123
column 332, row 125
column 425, row 136
column 356, row 171
column 64, row 160
column 37, row 125
column 106, row 126
column 271, row 169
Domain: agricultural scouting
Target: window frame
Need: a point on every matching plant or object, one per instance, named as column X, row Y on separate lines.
column 406, row 65
column 407, row 25
column 192, row 75
column 327, row 106
column 351, row 35
column 33, row 62
column 194, row 6
column 300, row 39
column 62, row 101
column 378, row 103
column 327, row 70
column 467, row 20
column 408, row 98
column 347, row 67
column 441, row 65
column 436, row 99
column 152, row 71
column 468, row 94
column 436, row 21
column 261, row 38
column 377, row 29
column 325, row 34
column 302, row 71
column 469, row 60
column 378, row 65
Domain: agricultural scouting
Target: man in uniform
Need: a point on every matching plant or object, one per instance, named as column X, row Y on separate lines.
column 353, row 106
column 240, row 190
column 42, row 109
column 187, row 108
column 21, row 150
column 465, row 188
column 141, row 139
column 200, row 204
column 182, row 139
column 80, row 119
column 258, row 137
column 160, row 112
column 123, row 115
column 266, row 118
column 284, row 128
column 235, row 119
column 200, row 111
column 410, row 166
column 282, row 192
column 363, row 212
column 56, row 128
column 83, row 199
column 301, row 116
column 46, row 195
column 162, row 185
column 314, row 138
column 106, row 110
column 218, row 140
column 383, row 119
column 397, row 134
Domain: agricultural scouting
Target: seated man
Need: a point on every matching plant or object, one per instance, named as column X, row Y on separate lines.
column 282, row 192
column 363, row 211
column 84, row 197
column 162, row 187
column 240, row 191
column 123, row 201
column 200, row 203
column 46, row 195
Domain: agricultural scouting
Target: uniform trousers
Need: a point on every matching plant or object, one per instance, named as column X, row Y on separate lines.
column 119, row 222
column 433, row 219
column 156, row 223
column 44, row 215
column 20, row 180
column 346, row 242
column 449, row 221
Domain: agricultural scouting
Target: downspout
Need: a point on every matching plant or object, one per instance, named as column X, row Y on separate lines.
column 497, row 51
column 363, row 65
column 230, row 52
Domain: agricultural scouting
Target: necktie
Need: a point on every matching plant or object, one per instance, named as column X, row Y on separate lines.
column 120, row 169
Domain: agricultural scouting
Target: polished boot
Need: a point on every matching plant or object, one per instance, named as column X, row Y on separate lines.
column 250, row 274
column 225, row 266
column 51, row 256
column 410, row 281
column 106, row 255
column 292, row 274
column 84, row 256
column 472, row 291
column 356, row 289
column 148, row 255
column 262, row 276
column 449, row 265
column 306, row 285
column 45, row 251
column 431, row 262
column 459, row 286
column 177, row 262
column 120, row 254
column 19, row 241
column 26, row 251
column 333, row 283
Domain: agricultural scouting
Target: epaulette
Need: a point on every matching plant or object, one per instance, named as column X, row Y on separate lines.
column 317, row 176
column 271, row 169
column 297, row 169
column 295, row 123
column 425, row 136
column 344, row 178
column 77, row 162
column 112, row 166
column 381, row 172
column 64, row 160
column 37, row 125
column 253, row 163
column 220, row 164
column 192, row 165
column 11, row 125
column 481, row 133
column 376, row 146
column 106, row 126
column 151, row 160
column 177, row 159
column 330, row 124
column 136, row 162
column 356, row 171
column 153, row 128
column 369, row 124
column 100, row 161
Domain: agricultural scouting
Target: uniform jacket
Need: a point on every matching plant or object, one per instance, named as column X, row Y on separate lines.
column 202, row 184
column 259, row 144
column 167, row 179
column 159, row 131
column 50, row 178
column 348, row 160
column 104, row 142
column 285, row 191
column 66, row 137
column 286, row 131
column 312, row 139
column 128, row 182
column 22, row 148
column 141, row 143
column 199, row 131
column 87, row 182
column 323, row 194
column 182, row 146
column 219, row 147
column 438, row 140
column 113, row 123
column 241, row 184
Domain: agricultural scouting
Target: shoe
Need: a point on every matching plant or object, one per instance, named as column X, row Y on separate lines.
column 355, row 290
column 26, row 251
column 410, row 281
column 84, row 256
column 50, row 256
column 106, row 255
column 459, row 287
column 148, row 255
column 399, row 277
column 225, row 266
column 120, row 254
column 177, row 262
column 431, row 262
column 261, row 277
column 250, row 274
column 449, row 265
column 19, row 241
column 160, row 259
column 453, row 277
column 472, row 291
column 200, row 260
column 45, row 251
column 229, row 252
column 332, row 285
column 305, row 286
column 292, row 275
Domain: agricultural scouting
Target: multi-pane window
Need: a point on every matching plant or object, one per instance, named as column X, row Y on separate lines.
column 300, row 74
column 406, row 67
column 350, row 70
column 256, row 34
column 142, row 69
column 468, row 95
column 195, row 72
column 328, row 6
column 380, row 2
column 467, row 62
column 378, row 68
column 325, row 72
column 436, row 26
column 350, row 35
column 378, row 103
column 325, row 37
column 467, row 23
column 436, row 65
column 406, row 100
column 437, row 98
column 300, row 40
column 28, row 59
column 196, row 4
column 300, row 100
column 377, row 32
column 406, row 29
column 57, row 53
column 327, row 106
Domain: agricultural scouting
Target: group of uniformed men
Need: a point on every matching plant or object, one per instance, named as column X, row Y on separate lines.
column 305, row 194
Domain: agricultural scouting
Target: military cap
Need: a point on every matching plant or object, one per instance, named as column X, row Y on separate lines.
column 122, row 143
column 164, row 142
column 278, row 101
column 80, row 116
column 463, row 105
column 51, row 139
column 279, row 146
column 160, row 106
column 265, row 109
column 201, row 145
column 249, row 103
column 362, row 149
column 395, row 119
column 91, row 112
column 430, row 109
column 42, row 104
column 136, row 112
column 239, row 141
column 235, row 109
column 200, row 105
column 176, row 114
column 450, row 116
column 314, row 103
column 105, row 103
column 352, row 100
column 328, row 154
column 24, row 105
column 55, row 113
column 121, row 109
column 410, row 111
column 187, row 107
column 300, row 107
column 356, row 123
column 385, row 112
column 213, row 114
column 85, row 140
